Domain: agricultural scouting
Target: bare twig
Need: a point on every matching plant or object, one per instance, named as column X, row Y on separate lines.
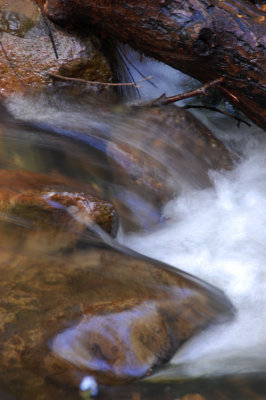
column 239, row 120
column 10, row 64
column 163, row 100
column 67, row 78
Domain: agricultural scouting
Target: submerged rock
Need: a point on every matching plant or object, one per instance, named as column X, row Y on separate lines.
column 157, row 153
column 56, row 214
column 28, row 55
column 104, row 311
column 97, row 309
column 141, row 157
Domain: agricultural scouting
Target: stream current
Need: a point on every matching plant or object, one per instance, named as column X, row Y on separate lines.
column 217, row 234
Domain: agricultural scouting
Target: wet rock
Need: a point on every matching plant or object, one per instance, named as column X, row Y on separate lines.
column 156, row 153
column 55, row 213
column 142, row 157
column 104, row 311
column 27, row 54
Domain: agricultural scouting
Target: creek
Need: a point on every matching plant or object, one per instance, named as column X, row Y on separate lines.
column 219, row 234
column 216, row 233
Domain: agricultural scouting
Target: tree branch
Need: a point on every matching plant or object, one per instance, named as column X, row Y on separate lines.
column 163, row 100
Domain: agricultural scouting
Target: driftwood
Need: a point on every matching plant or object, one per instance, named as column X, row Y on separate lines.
column 206, row 39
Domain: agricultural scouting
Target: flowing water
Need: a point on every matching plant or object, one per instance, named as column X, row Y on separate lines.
column 217, row 234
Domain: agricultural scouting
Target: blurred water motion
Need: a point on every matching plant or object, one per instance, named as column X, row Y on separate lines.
column 219, row 233
column 138, row 158
column 52, row 294
column 75, row 302
column 102, row 310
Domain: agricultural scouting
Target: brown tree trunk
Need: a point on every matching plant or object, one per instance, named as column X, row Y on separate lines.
column 206, row 39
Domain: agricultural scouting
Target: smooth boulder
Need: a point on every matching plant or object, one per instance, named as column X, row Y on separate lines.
column 104, row 311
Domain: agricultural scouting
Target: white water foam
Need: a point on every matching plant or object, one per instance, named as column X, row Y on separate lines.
column 219, row 235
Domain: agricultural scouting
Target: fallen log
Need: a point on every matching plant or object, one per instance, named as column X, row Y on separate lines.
column 206, row 39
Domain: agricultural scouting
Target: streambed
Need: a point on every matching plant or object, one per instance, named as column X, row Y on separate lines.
column 216, row 233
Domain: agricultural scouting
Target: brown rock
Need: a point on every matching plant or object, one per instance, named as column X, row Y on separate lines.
column 103, row 311
column 27, row 55
column 56, row 214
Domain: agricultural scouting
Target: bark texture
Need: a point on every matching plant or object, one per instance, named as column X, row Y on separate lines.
column 206, row 39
